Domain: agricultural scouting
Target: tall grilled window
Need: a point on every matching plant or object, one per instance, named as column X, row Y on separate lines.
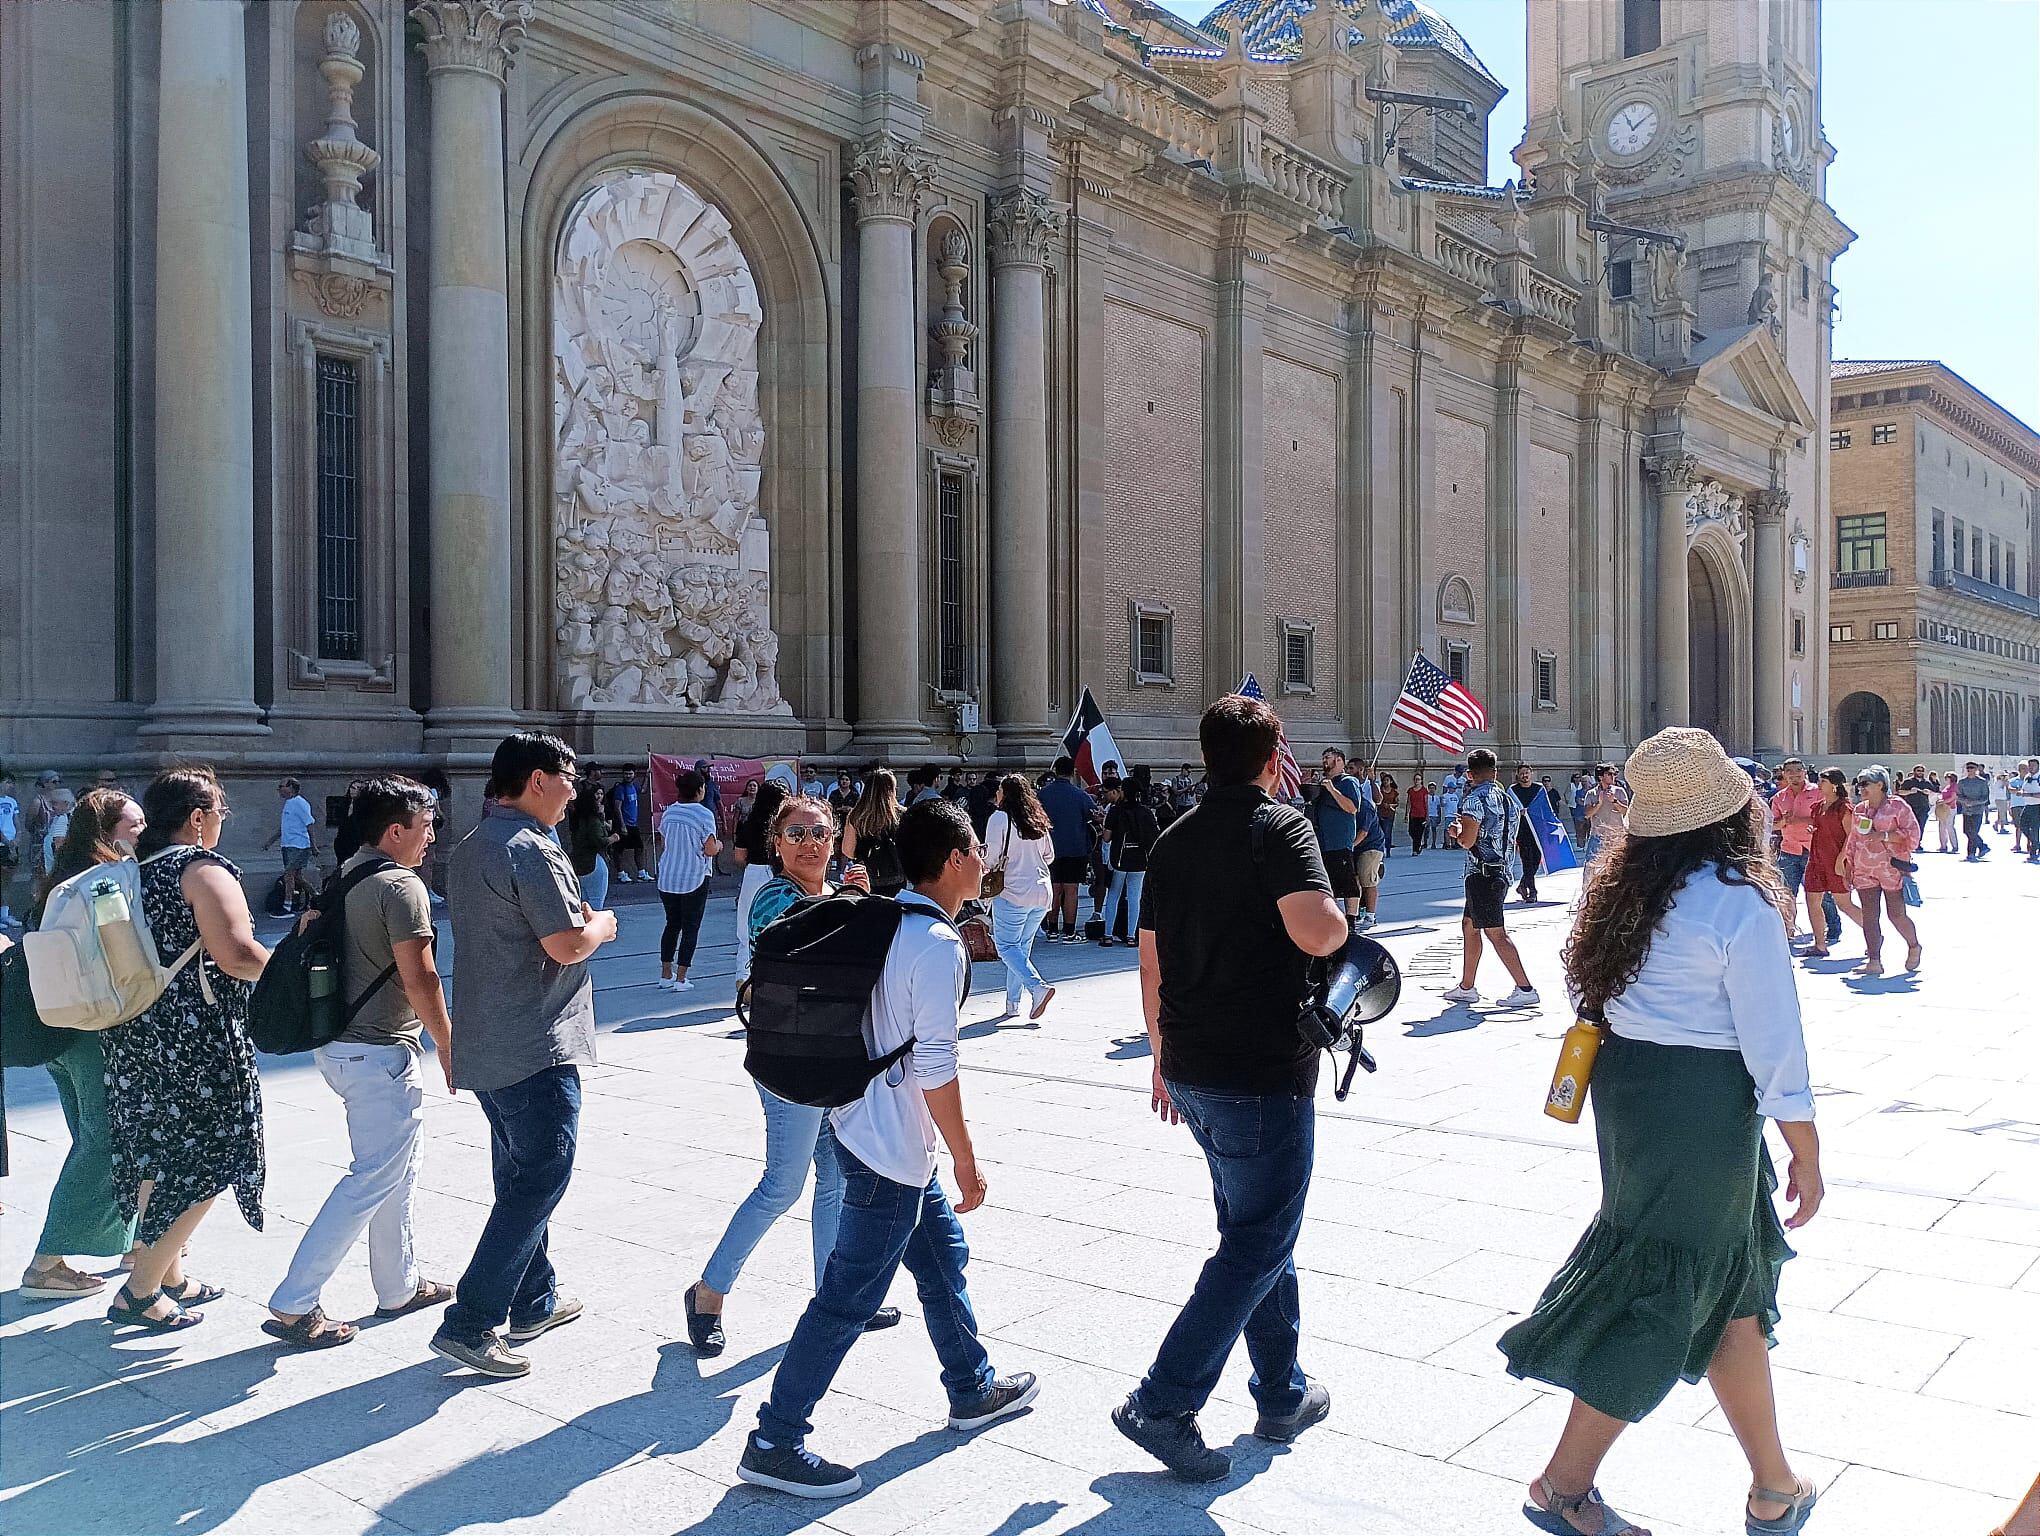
column 1458, row 656
column 339, row 438
column 949, row 578
column 1299, row 670
column 1547, row 680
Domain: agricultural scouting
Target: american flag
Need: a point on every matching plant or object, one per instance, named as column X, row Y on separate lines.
column 1288, row 777
column 1434, row 708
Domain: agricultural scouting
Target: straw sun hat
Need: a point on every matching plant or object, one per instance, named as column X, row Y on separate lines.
column 1681, row 780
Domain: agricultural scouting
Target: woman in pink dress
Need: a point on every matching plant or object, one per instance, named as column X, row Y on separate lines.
column 1883, row 833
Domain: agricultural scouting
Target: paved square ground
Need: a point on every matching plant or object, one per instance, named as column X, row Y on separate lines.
column 1908, row 1361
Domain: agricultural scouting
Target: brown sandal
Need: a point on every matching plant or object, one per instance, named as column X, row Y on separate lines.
column 314, row 1330
column 430, row 1293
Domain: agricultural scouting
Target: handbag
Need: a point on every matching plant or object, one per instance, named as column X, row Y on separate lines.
column 995, row 877
column 977, row 937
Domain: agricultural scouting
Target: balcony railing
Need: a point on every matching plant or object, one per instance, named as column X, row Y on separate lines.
column 1989, row 592
column 1841, row 580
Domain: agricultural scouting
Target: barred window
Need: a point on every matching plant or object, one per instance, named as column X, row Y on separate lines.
column 1547, row 680
column 1799, row 634
column 1458, row 656
column 1299, row 664
column 339, row 484
column 949, row 577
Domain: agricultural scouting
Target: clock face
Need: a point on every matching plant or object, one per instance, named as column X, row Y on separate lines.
column 1632, row 128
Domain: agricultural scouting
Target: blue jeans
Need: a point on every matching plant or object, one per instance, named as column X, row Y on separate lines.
column 884, row 1224
column 795, row 1135
column 1130, row 881
column 595, row 884
column 1013, row 931
column 533, row 1126
column 1260, row 1149
column 1792, row 870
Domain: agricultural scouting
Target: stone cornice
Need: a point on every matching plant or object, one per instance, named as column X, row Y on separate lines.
column 888, row 176
column 476, row 35
column 1957, row 404
column 1022, row 228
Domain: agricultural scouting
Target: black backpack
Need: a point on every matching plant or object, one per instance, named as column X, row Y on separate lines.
column 813, row 971
column 297, row 1004
column 25, row 1041
column 881, row 861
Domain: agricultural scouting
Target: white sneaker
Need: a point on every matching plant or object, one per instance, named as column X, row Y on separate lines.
column 683, row 986
column 1463, row 995
column 666, row 984
column 1522, row 997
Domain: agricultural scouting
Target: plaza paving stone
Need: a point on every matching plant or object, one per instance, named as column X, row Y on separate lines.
column 1908, row 1360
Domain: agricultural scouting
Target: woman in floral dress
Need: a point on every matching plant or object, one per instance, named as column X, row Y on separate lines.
column 181, row 1090
column 1878, row 856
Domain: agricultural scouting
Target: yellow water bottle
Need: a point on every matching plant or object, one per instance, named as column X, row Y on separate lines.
column 1568, row 1095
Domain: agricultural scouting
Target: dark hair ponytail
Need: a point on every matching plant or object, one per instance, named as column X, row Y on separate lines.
column 169, row 801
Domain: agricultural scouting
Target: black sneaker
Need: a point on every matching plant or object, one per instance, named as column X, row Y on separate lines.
column 882, row 1319
column 565, row 1310
column 1177, row 1443
column 491, row 1357
column 796, row 1470
column 1009, row 1394
column 1316, row 1404
column 704, row 1329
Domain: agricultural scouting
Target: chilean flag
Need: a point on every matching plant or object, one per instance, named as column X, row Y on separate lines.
column 1089, row 744
column 1552, row 840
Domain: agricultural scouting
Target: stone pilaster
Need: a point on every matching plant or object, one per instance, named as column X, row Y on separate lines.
column 1672, row 477
column 468, row 46
column 1235, row 632
column 888, row 177
column 1023, row 227
column 1767, row 600
column 1508, row 597
column 205, row 413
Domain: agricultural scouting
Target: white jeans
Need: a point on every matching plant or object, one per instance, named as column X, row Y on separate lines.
column 384, row 1098
column 755, row 878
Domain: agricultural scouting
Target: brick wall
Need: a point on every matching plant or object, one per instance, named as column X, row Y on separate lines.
column 1300, row 459
column 1455, row 540
column 1544, row 549
column 1154, row 457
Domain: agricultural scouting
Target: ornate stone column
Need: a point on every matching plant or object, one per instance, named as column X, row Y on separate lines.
column 1767, row 602
column 205, row 410
column 467, row 47
column 1673, row 476
column 887, row 178
column 1023, row 226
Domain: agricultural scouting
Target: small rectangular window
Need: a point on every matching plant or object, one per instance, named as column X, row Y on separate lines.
column 2011, row 567
column 1153, row 644
column 1805, row 282
column 339, row 509
column 1621, row 282
column 1940, row 540
column 1840, row 632
column 949, row 579
column 1642, row 27
column 1298, row 662
column 1884, row 432
column 1884, row 631
column 1547, row 680
column 1961, row 546
column 1839, row 438
column 1996, row 563
column 1799, row 634
column 1457, row 658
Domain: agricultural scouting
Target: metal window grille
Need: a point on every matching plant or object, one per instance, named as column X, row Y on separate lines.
column 339, row 486
column 1798, row 635
column 949, row 595
column 1455, row 662
column 1296, row 659
column 1547, row 680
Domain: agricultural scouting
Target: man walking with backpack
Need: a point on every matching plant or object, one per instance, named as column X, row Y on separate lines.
column 523, row 1027
column 389, row 981
column 894, row 1208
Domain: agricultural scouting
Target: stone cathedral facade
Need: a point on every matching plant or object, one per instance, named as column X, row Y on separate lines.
column 864, row 378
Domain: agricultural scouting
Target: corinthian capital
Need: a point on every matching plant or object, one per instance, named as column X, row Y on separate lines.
column 887, row 177
column 1769, row 506
column 479, row 35
column 1023, row 227
column 1673, row 471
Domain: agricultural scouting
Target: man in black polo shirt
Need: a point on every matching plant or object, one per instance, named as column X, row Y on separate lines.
column 1237, row 902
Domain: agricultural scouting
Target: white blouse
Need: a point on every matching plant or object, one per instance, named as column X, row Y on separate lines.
column 1025, row 860
column 1719, row 975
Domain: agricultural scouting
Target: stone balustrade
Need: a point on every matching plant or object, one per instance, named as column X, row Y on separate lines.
column 1302, row 178
column 1158, row 109
column 1464, row 260
column 1551, row 300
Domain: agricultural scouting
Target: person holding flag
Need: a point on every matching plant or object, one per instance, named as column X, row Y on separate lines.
column 1541, row 842
column 1288, row 776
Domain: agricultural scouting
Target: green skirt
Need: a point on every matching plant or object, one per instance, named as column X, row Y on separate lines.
column 1685, row 1241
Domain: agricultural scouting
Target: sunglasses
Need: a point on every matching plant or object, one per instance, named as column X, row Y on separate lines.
column 820, row 832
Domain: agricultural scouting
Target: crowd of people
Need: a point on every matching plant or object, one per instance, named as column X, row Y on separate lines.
column 1681, row 945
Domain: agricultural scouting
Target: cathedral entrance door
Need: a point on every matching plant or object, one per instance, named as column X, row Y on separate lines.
column 1712, row 676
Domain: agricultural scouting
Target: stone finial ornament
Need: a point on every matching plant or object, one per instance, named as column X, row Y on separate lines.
column 953, row 390
column 339, row 224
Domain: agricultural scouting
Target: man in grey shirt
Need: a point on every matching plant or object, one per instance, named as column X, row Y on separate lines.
column 1972, row 799
column 523, row 1026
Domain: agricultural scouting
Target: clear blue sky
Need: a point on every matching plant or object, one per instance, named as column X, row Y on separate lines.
column 1934, row 112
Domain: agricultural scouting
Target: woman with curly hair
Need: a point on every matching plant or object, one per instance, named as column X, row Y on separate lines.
column 1680, row 944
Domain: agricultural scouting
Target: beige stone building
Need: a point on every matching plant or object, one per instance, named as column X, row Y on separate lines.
column 864, row 379
column 1934, row 622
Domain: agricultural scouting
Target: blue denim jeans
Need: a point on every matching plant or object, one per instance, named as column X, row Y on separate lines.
column 795, row 1135
column 1260, row 1150
column 1792, row 870
column 533, row 1126
column 1013, row 931
column 884, row 1224
column 595, row 884
column 1130, row 881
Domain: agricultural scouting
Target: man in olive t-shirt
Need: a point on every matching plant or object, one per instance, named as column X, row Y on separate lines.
column 387, row 969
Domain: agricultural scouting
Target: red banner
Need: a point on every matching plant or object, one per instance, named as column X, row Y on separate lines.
column 728, row 774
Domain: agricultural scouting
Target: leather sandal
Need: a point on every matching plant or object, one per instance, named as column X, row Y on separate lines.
column 1554, row 1515
column 1798, row 1505
column 312, row 1330
column 58, row 1282
column 129, row 1310
column 430, row 1293
column 194, row 1293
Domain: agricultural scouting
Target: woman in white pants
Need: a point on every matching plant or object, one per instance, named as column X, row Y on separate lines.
column 754, row 856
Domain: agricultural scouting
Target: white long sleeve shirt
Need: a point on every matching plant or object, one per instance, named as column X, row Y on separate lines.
column 917, row 998
column 1719, row 976
column 1024, row 859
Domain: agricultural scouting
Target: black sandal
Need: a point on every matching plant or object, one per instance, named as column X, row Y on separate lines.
column 129, row 1310
column 305, row 1334
column 704, row 1329
column 185, row 1296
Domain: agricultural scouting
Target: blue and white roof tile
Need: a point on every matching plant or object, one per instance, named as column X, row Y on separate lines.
column 1272, row 31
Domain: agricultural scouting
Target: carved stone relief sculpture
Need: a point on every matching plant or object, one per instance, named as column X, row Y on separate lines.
column 663, row 593
column 1714, row 503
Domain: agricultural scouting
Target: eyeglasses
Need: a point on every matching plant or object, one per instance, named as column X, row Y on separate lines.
column 820, row 832
column 565, row 775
